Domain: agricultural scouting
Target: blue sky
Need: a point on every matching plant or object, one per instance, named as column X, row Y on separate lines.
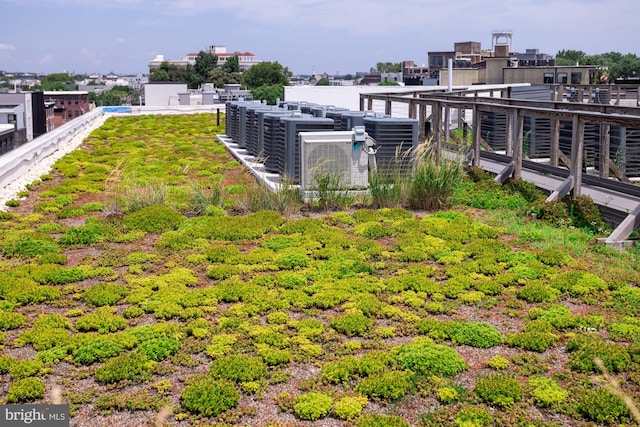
column 333, row 36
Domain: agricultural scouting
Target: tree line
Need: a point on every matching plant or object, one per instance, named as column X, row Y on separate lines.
column 618, row 65
column 265, row 80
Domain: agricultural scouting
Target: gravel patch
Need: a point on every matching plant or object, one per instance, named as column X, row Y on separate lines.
column 11, row 190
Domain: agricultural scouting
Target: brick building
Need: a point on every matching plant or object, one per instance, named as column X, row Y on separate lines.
column 68, row 105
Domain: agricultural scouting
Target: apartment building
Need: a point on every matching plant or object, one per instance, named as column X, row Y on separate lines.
column 68, row 105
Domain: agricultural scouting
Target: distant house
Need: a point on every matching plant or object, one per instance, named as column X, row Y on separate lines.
column 245, row 59
column 499, row 65
column 68, row 104
column 7, row 133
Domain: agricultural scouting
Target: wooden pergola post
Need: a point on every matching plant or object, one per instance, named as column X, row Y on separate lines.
column 511, row 121
column 577, row 145
column 387, row 107
column 362, row 97
column 517, row 150
column 436, row 120
column 475, row 134
column 554, row 144
column 422, row 120
column 605, row 144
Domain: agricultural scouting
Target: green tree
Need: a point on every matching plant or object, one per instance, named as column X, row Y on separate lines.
column 168, row 72
column 232, row 65
column 198, row 74
column 269, row 92
column 619, row 65
column 323, row 82
column 387, row 67
column 266, row 74
column 56, row 81
column 569, row 57
column 388, row 82
column 220, row 77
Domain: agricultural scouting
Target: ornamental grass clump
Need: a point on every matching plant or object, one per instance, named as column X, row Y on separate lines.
column 433, row 181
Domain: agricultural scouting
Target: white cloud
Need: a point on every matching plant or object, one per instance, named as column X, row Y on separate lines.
column 6, row 47
column 120, row 40
column 47, row 59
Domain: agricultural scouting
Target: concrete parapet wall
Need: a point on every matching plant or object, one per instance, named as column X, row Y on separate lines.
column 17, row 162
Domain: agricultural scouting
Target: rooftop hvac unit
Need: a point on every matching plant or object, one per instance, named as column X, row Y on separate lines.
column 269, row 136
column 591, row 141
column 600, row 96
column 317, row 110
column 236, row 117
column 536, row 137
column 341, row 154
column 395, row 138
column 351, row 119
column 287, row 148
column 231, row 119
column 306, row 107
column 336, row 113
column 243, row 121
column 625, row 150
column 254, row 127
column 493, row 129
column 293, row 105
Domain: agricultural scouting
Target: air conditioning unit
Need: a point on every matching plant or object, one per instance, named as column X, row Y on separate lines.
column 395, row 138
column 243, row 121
column 254, row 127
column 341, row 153
column 287, row 147
column 269, row 136
column 336, row 113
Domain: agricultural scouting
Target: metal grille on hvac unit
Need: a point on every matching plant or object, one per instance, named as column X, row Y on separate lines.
column 339, row 153
column 351, row 119
column 394, row 138
column 287, row 147
column 625, row 150
column 254, row 127
column 536, row 137
column 270, row 137
column 493, row 129
column 336, row 113
column 243, row 121
column 231, row 120
column 591, row 141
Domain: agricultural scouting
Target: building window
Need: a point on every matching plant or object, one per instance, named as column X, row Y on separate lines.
column 69, row 101
column 77, row 113
column 435, row 60
column 548, row 78
column 562, row 78
column 70, row 114
column 76, row 101
column 576, row 78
